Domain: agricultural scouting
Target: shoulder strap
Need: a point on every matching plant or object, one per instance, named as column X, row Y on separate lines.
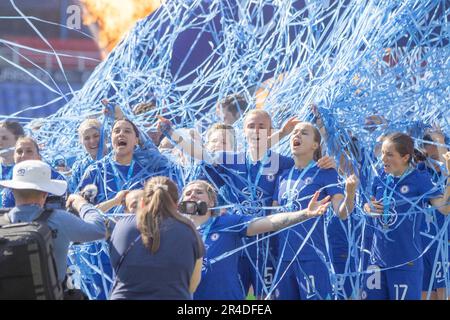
column 43, row 218
column 122, row 257
column 44, row 215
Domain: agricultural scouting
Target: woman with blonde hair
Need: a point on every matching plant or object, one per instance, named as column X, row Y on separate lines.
column 89, row 133
column 157, row 253
column 222, row 236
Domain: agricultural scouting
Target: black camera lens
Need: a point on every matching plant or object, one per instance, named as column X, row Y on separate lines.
column 191, row 207
column 194, row 208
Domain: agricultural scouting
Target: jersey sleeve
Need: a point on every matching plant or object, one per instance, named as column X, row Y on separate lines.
column 286, row 163
column 239, row 224
column 88, row 177
column 224, row 160
column 331, row 181
column 428, row 188
column 210, row 173
column 90, row 227
column 375, row 184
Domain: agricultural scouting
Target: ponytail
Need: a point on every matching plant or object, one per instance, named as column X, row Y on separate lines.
column 318, row 140
column 160, row 202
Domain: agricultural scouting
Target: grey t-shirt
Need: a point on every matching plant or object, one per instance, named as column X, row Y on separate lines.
column 146, row 276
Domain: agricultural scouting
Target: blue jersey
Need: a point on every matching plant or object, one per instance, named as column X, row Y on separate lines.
column 209, row 173
column 338, row 236
column 5, row 172
column 434, row 220
column 432, row 229
column 220, row 279
column 7, row 196
column 78, row 169
column 111, row 177
column 432, row 225
column 252, row 184
column 295, row 189
column 396, row 239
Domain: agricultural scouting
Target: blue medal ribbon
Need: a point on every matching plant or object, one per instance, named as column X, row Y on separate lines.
column 118, row 177
column 290, row 199
column 388, row 198
column 206, row 228
column 253, row 184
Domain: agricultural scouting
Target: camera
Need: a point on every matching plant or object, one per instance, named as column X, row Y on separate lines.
column 56, row 202
column 89, row 193
column 194, row 208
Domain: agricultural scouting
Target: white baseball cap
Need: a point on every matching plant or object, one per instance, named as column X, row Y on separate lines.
column 34, row 175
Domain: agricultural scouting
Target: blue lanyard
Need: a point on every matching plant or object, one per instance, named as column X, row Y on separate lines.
column 206, row 228
column 387, row 199
column 253, row 185
column 289, row 190
column 118, row 176
column 101, row 142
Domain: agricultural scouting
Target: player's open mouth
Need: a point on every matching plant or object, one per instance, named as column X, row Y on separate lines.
column 296, row 142
column 121, row 143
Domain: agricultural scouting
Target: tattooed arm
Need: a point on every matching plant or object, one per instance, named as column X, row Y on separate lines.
column 283, row 220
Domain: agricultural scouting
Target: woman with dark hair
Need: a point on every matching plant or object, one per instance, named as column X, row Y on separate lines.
column 157, row 253
column 10, row 131
column 401, row 196
column 303, row 260
column 435, row 259
column 121, row 170
column 26, row 148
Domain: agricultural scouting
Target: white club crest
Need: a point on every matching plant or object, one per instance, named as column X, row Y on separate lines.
column 214, row 236
column 404, row 189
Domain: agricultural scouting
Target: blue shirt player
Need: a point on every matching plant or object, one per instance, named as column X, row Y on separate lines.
column 435, row 260
column 120, row 170
column 222, row 238
column 401, row 195
column 303, row 267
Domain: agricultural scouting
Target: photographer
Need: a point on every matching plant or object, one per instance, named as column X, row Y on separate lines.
column 26, row 148
column 31, row 183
